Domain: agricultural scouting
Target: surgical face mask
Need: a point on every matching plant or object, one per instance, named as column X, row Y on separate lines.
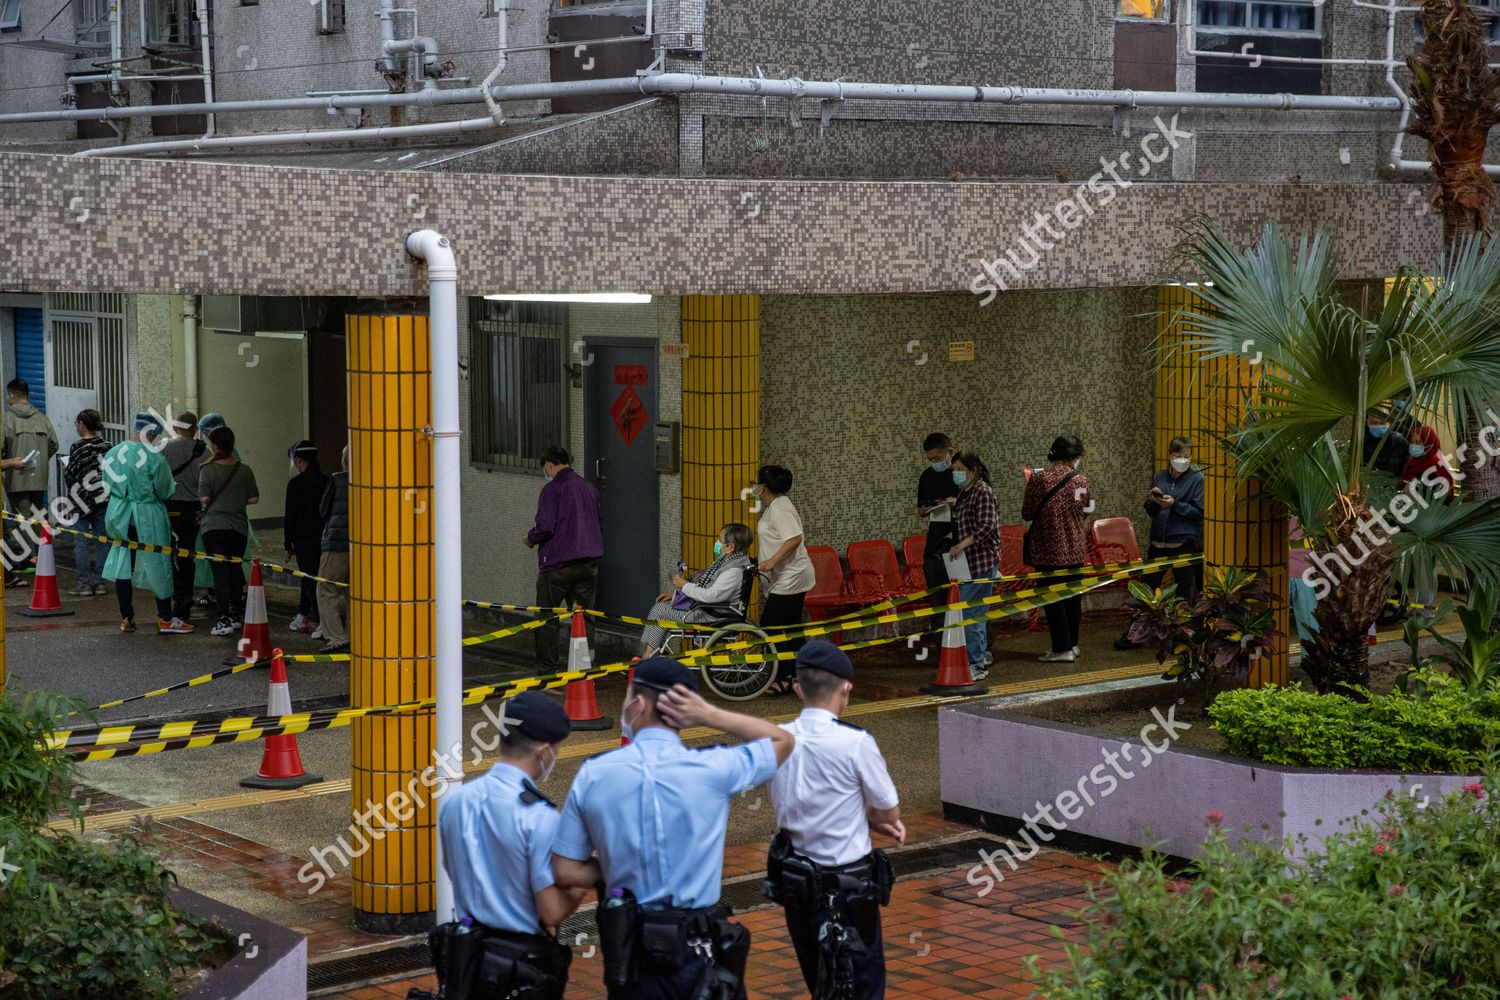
column 1181, row 464
column 1379, row 429
column 1416, row 450
column 939, row 466
column 960, row 478
column 718, row 550
column 627, row 725
column 549, row 766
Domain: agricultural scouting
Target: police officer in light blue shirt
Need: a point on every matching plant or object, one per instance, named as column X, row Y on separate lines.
column 497, row 832
column 655, row 812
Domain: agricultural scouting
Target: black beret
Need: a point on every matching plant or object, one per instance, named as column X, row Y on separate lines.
column 660, row 673
column 820, row 654
column 537, row 716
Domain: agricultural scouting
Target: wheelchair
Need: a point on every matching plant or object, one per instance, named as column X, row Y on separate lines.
column 751, row 670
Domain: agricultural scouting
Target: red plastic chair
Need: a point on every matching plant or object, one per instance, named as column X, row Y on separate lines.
column 914, row 551
column 874, row 574
column 1012, row 563
column 828, row 593
column 1112, row 540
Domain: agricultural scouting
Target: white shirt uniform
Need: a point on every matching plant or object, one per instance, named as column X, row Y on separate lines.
column 821, row 793
column 777, row 523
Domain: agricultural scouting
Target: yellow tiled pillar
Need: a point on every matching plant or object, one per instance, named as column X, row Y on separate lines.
column 1242, row 526
column 720, row 416
column 1199, row 399
column 391, row 615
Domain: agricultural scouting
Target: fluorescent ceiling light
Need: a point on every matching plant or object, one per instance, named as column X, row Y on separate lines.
column 616, row 298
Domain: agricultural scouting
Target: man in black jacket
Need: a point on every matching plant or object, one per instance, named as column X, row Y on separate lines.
column 1175, row 506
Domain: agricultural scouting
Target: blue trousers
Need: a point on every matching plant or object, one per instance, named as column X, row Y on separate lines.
column 976, row 633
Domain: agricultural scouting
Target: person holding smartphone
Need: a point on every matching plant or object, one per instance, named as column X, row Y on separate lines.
column 1175, row 506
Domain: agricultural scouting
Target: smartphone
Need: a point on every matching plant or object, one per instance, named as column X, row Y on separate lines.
column 29, row 459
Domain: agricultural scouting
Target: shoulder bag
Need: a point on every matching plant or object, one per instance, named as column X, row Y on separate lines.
column 220, row 491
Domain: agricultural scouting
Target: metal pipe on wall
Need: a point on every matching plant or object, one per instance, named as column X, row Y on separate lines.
column 447, row 464
column 190, row 352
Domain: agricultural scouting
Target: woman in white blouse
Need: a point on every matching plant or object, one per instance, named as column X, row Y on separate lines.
column 783, row 558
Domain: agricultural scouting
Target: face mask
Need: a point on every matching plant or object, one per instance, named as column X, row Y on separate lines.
column 1181, row 464
column 627, row 726
column 1416, row 450
column 939, row 466
column 1379, row 429
column 547, row 770
column 718, row 550
column 960, row 478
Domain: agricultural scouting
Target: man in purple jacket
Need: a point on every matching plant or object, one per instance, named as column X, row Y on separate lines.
column 569, row 539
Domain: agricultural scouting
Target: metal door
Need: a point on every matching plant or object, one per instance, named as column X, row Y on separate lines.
column 620, row 410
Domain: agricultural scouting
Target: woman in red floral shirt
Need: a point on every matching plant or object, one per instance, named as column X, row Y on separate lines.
column 1056, row 536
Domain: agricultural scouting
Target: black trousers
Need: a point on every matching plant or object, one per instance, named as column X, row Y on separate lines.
column 182, row 515
column 869, row 969
column 1189, row 579
column 933, row 574
column 125, row 595
column 667, row 985
column 564, row 586
column 784, row 611
column 308, row 554
column 229, row 578
column 1065, row 616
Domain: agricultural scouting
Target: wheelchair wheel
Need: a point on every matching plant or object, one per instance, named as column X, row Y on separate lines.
column 747, row 676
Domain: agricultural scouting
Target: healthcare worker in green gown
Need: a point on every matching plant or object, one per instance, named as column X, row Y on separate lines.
column 140, row 481
column 203, row 575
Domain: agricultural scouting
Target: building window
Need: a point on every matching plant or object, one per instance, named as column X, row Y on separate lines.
column 10, row 15
column 173, row 23
column 1150, row 10
column 1254, row 17
column 93, row 21
column 517, row 382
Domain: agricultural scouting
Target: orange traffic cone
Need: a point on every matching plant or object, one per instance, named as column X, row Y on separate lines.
column 45, row 602
column 953, row 677
column 280, row 764
column 580, row 702
column 255, row 640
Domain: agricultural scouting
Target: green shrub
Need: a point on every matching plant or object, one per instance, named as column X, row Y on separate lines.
column 1406, row 907
column 1445, row 728
column 80, row 919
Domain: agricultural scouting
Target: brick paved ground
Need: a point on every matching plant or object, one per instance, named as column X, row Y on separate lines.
column 942, row 940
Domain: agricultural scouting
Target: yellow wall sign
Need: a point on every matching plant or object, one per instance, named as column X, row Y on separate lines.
column 960, row 350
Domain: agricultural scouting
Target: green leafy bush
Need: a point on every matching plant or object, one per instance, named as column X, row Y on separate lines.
column 1405, row 907
column 1444, row 729
column 80, row 919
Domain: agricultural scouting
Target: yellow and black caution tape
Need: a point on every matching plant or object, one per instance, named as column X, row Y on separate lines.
column 169, row 550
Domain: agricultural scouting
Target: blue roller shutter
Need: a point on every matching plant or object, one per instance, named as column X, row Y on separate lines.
column 31, row 355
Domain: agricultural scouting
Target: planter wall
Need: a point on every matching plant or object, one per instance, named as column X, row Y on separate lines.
column 270, row 965
column 997, row 766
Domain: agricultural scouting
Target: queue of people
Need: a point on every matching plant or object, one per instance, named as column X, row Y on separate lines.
column 644, row 827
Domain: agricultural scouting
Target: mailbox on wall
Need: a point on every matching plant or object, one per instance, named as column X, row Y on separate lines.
column 669, row 447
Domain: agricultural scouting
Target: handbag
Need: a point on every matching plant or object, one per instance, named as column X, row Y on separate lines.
column 220, row 491
column 1026, row 556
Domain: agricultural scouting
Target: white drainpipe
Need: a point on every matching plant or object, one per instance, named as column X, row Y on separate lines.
column 208, row 66
column 190, row 352
column 442, row 283
column 116, row 47
column 389, row 63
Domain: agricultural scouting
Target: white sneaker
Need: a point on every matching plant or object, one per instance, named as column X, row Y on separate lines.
column 318, row 632
column 222, row 627
column 301, row 624
column 978, row 674
column 1066, row 656
column 1075, row 651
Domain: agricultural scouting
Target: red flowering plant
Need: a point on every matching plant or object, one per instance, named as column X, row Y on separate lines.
column 1405, row 902
column 1229, row 627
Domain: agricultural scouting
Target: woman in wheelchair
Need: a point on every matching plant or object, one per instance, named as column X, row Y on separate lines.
column 715, row 595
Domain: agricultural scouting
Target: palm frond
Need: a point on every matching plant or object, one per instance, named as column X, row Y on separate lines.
column 1461, row 541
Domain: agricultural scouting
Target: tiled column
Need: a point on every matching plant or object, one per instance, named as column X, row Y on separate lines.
column 1199, row 399
column 720, row 416
column 391, row 610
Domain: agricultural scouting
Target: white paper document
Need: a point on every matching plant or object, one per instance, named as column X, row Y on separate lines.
column 958, row 568
column 940, row 514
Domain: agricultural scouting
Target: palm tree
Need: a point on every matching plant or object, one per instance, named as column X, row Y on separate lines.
column 1455, row 101
column 1434, row 348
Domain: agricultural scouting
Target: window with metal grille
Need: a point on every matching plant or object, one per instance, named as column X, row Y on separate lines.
column 93, row 21
column 1148, row 10
column 10, row 15
column 1254, row 17
column 89, row 352
column 517, row 382
column 173, row 23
